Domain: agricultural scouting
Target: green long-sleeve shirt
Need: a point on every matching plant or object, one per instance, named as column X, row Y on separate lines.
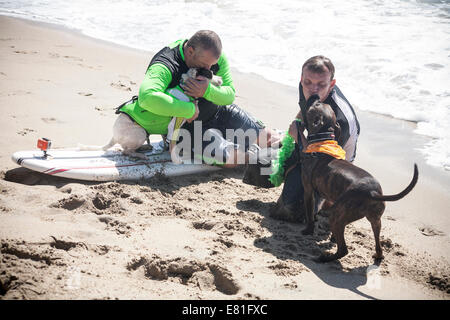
column 155, row 108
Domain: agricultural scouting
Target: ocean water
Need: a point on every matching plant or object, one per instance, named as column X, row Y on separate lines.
column 392, row 57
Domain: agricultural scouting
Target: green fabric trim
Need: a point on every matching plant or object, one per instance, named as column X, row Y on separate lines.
column 288, row 146
column 178, row 42
column 182, row 50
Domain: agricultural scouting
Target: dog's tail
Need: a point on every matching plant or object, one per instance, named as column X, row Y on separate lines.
column 400, row 195
column 83, row 147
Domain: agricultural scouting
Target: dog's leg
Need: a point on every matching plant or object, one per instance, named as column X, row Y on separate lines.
column 318, row 202
column 341, row 214
column 376, row 227
column 109, row 145
column 83, row 147
column 129, row 135
column 145, row 147
column 309, row 204
column 338, row 233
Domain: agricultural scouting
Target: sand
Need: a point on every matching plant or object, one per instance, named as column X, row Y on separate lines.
column 193, row 237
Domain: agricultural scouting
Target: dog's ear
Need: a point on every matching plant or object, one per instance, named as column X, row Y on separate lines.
column 205, row 73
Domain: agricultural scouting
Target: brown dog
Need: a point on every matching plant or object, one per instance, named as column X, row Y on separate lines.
column 354, row 192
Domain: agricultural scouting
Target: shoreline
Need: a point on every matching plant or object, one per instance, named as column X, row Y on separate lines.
column 65, row 85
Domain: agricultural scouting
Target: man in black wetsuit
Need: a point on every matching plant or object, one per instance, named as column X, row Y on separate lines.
column 317, row 79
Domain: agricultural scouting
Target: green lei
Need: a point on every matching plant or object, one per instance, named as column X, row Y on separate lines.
column 288, row 145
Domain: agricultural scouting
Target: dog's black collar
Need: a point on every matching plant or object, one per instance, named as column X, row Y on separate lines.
column 313, row 155
column 321, row 137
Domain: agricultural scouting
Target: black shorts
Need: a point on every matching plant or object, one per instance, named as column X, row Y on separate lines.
column 243, row 128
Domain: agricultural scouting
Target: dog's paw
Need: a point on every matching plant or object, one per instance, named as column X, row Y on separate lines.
column 378, row 257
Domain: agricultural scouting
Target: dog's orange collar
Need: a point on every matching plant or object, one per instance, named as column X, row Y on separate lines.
column 329, row 147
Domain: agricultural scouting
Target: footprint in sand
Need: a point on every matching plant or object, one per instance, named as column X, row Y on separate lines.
column 103, row 109
column 25, row 131
column 89, row 67
column 119, row 85
column 73, row 58
column 126, row 77
column 51, row 120
column 86, row 94
column 25, row 52
column 19, row 93
column 430, row 231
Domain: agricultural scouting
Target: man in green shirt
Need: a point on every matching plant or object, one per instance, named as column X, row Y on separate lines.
column 211, row 106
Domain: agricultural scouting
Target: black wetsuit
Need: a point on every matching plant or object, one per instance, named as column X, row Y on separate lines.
column 292, row 194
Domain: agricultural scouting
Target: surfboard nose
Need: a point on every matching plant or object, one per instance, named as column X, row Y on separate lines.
column 17, row 158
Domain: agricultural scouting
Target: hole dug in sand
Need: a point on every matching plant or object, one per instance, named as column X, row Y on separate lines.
column 100, row 202
column 71, row 203
column 66, row 245
column 207, row 276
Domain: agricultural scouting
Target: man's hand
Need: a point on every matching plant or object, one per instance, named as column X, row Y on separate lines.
column 297, row 128
column 196, row 87
column 195, row 116
column 293, row 130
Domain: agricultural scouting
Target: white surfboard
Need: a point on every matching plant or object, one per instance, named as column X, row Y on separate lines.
column 105, row 165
